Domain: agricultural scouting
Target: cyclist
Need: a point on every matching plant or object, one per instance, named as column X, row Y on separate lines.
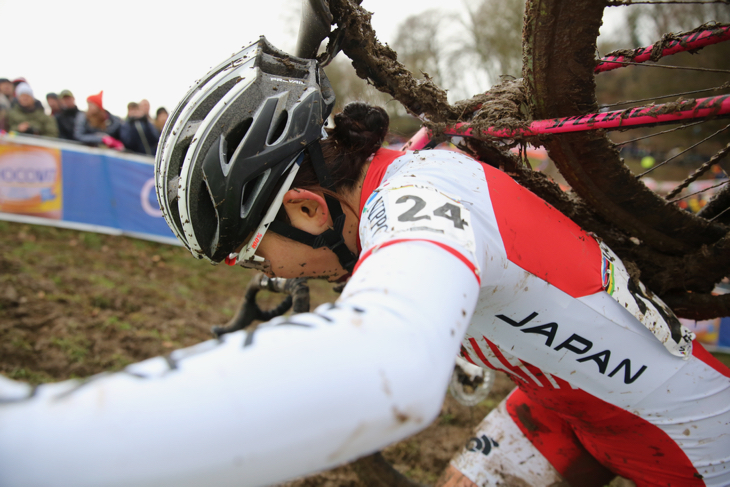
column 604, row 368
column 444, row 255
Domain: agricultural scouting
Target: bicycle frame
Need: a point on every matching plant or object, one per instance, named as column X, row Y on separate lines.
column 631, row 117
column 687, row 42
column 644, row 116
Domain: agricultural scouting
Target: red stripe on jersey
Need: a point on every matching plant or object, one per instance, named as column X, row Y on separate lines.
column 540, row 375
column 483, row 358
column 564, row 384
column 480, row 354
column 465, row 356
column 374, row 177
column 453, row 252
column 706, row 357
column 500, row 356
column 543, row 241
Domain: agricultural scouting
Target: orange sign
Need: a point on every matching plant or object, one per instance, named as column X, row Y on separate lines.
column 30, row 180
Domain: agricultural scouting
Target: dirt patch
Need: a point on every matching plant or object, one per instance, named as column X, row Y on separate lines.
column 73, row 304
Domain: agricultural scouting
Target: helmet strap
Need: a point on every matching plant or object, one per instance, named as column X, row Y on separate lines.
column 332, row 238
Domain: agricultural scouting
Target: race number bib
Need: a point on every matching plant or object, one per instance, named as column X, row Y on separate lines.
column 417, row 212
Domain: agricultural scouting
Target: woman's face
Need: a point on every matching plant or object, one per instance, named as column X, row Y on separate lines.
column 306, row 211
column 293, row 259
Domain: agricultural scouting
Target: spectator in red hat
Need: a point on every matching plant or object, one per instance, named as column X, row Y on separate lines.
column 98, row 127
column 28, row 116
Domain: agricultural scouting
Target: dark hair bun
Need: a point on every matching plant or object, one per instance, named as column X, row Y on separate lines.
column 361, row 127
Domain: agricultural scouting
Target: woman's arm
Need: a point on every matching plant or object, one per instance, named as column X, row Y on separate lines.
column 299, row 395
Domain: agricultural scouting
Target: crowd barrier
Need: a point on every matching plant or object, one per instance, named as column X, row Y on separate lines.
column 50, row 182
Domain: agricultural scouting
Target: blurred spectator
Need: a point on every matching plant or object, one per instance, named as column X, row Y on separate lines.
column 53, row 103
column 98, row 126
column 718, row 173
column 144, row 106
column 7, row 91
column 14, row 101
column 16, row 82
column 648, row 161
column 138, row 132
column 66, row 119
column 27, row 117
column 160, row 118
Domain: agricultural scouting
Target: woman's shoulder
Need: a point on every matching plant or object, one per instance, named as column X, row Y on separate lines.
column 435, row 167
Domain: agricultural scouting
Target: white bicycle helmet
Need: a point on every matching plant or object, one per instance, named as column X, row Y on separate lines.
column 231, row 149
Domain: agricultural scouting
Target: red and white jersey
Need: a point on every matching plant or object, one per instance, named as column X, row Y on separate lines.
column 557, row 310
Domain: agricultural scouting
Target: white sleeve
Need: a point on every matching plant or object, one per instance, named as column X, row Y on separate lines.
column 297, row 396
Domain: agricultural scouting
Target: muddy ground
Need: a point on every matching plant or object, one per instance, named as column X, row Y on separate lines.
column 73, row 304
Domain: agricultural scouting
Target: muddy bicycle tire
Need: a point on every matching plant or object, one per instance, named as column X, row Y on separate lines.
column 559, row 46
column 559, row 54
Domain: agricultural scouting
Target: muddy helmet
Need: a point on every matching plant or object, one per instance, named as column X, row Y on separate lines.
column 232, row 147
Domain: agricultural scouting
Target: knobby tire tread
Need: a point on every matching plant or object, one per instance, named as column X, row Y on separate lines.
column 559, row 41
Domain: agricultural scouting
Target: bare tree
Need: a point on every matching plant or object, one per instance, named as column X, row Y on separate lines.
column 349, row 87
column 421, row 45
column 493, row 40
column 465, row 50
column 646, row 23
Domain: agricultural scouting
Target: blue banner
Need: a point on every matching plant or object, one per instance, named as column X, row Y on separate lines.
column 85, row 188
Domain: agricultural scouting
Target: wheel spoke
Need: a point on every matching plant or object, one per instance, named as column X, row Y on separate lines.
column 667, row 66
column 628, row 102
column 699, row 172
column 684, row 151
column 623, row 3
column 699, row 192
column 684, row 126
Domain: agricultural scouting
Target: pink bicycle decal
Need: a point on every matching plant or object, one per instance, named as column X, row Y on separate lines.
column 643, row 116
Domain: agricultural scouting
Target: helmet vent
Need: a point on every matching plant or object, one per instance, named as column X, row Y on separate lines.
column 207, row 103
column 235, row 136
column 280, row 66
column 250, row 192
column 279, row 127
column 204, row 216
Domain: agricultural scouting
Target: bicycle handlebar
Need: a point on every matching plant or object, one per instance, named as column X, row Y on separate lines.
column 297, row 297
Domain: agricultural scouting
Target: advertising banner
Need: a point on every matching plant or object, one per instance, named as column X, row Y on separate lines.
column 47, row 181
column 30, row 180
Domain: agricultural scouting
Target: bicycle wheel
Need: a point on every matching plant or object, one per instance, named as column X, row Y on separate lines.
column 559, row 46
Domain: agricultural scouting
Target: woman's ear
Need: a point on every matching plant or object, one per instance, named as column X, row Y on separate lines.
column 307, row 211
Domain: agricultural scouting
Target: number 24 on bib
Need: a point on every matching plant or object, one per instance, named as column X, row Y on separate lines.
column 421, row 212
